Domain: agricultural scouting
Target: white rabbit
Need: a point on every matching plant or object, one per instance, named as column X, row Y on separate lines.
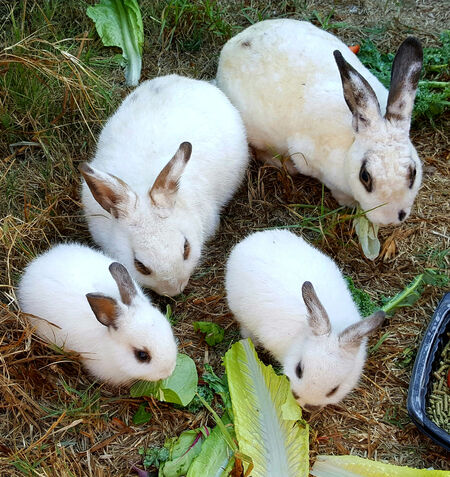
column 83, row 301
column 160, row 211
column 272, row 279
column 323, row 111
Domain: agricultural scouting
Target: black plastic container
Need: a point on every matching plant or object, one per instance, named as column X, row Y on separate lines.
column 420, row 386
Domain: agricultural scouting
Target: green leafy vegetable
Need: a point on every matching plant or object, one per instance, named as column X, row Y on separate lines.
column 119, row 23
column 353, row 466
column 154, row 456
column 363, row 301
column 267, row 419
column 212, row 385
column 213, row 333
column 413, row 291
column 367, row 233
column 182, row 451
column 216, row 457
column 220, row 387
column 179, row 388
column 142, row 416
column 206, row 393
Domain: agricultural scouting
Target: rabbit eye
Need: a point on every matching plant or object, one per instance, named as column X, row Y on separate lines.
column 142, row 355
column 141, row 268
column 332, row 391
column 299, row 371
column 365, row 177
column 187, row 249
column 412, row 176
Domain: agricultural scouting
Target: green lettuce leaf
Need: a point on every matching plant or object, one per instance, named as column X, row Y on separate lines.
column 182, row 451
column 119, row 23
column 213, row 333
column 179, row 388
column 268, row 421
column 353, row 466
column 216, row 457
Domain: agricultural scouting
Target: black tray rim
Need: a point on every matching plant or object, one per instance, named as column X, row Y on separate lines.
column 420, row 378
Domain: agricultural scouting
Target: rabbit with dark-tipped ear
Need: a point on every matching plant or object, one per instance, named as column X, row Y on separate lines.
column 83, row 301
column 167, row 161
column 293, row 300
column 302, row 93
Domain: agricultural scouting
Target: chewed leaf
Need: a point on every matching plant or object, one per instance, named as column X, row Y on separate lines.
column 367, row 233
column 119, row 23
column 179, row 388
column 353, row 466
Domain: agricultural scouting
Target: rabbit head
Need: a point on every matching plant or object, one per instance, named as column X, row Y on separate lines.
column 140, row 337
column 154, row 237
column 383, row 168
column 322, row 366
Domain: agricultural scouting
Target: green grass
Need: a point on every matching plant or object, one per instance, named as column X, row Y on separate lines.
column 189, row 25
column 75, row 403
column 53, row 102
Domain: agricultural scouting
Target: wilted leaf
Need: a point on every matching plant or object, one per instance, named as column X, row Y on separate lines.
column 367, row 233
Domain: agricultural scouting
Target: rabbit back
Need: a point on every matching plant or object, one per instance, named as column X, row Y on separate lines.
column 264, row 278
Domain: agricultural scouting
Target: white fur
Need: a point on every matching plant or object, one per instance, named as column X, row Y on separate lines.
column 283, row 78
column 264, row 277
column 135, row 145
column 54, row 287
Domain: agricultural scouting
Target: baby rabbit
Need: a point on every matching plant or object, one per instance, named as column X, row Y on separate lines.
column 328, row 113
column 293, row 300
column 83, row 301
column 149, row 210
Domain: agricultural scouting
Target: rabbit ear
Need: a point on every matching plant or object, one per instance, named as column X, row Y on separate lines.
column 124, row 282
column 358, row 94
column 164, row 190
column 352, row 336
column 104, row 308
column 404, row 80
column 317, row 316
column 109, row 191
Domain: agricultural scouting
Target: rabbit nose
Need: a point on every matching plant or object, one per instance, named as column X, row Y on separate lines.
column 401, row 215
column 311, row 408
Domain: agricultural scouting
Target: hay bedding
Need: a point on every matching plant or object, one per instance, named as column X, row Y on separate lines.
column 53, row 417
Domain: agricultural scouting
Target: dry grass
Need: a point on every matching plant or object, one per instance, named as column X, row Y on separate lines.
column 53, row 420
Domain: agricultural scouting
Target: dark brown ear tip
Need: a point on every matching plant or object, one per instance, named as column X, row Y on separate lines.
column 412, row 47
column 338, row 55
column 117, row 267
column 379, row 316
column 340, row 61
column 85, row 168
column 413, row 42
column 307, row 286
column 186, row 147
